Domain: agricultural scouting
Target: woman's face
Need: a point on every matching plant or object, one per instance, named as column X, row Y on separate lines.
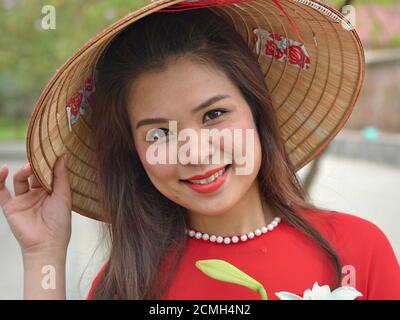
column 176, row 94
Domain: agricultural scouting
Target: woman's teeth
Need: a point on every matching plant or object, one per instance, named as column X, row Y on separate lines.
column 209, row 179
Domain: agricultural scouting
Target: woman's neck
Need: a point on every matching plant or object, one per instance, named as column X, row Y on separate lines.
column 249, row 214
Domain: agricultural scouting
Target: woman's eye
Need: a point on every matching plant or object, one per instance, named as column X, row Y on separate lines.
column 157, row 134
column 213, row 114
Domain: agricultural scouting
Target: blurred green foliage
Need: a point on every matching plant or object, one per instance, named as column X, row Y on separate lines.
column 29, row 54
column 13, row 129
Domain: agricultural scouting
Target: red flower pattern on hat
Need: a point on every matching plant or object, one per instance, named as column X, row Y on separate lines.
column 75, row 101
column 276, row 36
column 89, row 84
column 81, row 99
column 272, row 49
column 297, row 56
column 280, row 48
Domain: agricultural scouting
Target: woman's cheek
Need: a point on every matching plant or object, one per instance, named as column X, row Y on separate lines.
column 245, row 146
column 161, row 172
column 158, row 173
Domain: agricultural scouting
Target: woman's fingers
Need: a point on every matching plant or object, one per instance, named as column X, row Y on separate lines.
column 61, row 179
column 20, row 179
column 27, row 200
column 34, row 182
column 5, row 195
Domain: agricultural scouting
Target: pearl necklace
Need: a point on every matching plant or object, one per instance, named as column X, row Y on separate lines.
column 233, row 239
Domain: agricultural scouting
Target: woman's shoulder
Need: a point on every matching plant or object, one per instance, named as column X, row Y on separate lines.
column 364, row 250
column 355, row 238
column 336, row 224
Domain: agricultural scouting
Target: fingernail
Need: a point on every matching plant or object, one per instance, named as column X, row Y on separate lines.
column 27, row 166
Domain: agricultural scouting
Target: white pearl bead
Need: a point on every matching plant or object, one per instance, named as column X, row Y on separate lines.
column 205, row 236
column 234, row 239
column 264, row 229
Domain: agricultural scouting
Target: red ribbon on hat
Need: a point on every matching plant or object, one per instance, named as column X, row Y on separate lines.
column 195, row 4
column 277, row 4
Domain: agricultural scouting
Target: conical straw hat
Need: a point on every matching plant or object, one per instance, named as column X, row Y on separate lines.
column 311, row 56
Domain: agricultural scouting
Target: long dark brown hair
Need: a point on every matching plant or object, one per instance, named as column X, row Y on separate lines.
column 145, row 224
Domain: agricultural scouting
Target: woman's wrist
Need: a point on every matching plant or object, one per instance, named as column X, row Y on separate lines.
column 44, row 250
column 44, row 273
column 34, row 259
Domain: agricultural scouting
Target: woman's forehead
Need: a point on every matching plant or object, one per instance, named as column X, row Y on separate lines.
column 182, row 86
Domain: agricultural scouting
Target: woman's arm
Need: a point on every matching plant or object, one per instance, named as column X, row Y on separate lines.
column 41, row 223
column 44, row 275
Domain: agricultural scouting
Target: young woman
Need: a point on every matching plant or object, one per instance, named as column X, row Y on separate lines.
column 192, row 67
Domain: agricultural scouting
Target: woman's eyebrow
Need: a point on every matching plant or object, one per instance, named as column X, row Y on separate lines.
column 203, row 105
column 210, row 101
column 148, row 121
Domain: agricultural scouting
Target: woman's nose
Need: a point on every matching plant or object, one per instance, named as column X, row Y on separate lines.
column 205, row 149
column 196, row 151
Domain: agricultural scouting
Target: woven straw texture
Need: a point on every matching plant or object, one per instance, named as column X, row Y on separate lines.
column 312, row 104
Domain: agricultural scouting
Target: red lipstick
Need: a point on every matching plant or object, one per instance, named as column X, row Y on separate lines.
column 205, row 175
column 208, row 187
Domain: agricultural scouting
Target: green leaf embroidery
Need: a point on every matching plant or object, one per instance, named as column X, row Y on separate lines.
column 224, row 271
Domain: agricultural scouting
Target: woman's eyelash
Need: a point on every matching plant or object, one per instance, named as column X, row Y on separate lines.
column 150, row 137
column 167, row 132
column 221, row 111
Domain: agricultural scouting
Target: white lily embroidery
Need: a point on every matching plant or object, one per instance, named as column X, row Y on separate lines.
column 322, row 293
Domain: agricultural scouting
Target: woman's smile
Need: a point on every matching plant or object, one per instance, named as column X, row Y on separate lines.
column 208, row 183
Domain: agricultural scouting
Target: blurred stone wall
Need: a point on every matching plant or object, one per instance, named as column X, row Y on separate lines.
column 379, row 101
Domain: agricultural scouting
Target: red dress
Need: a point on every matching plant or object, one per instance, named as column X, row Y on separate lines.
column 287, row 260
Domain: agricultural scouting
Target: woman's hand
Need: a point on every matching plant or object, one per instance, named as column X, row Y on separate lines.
column 41, row 222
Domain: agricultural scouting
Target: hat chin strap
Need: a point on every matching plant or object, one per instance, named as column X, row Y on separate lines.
column 277, row 4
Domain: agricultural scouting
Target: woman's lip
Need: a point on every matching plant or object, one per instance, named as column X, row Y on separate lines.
column 206, row 175
column 209, row 187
